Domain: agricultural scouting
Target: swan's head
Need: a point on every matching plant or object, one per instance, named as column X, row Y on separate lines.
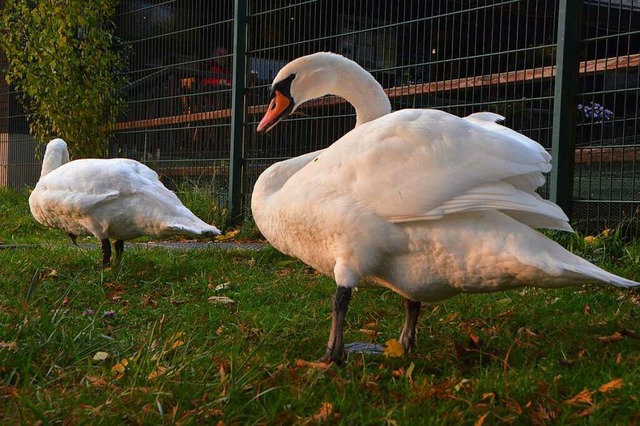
column 308, row 77
column 55, row 156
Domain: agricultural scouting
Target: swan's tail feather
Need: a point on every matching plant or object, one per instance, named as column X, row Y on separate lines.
column 204, row 230
column 592, row 272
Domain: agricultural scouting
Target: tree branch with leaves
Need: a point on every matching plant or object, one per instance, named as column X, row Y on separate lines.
column 67, row 67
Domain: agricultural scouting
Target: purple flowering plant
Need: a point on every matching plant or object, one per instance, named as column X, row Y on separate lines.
column 594, row 112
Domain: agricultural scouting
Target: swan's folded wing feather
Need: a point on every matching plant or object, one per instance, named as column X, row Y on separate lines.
column 423, row 163
column 74, row 204
column 527, row 208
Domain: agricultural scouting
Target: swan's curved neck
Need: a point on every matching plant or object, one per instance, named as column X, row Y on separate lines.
column 53, row 159
column 361, row 90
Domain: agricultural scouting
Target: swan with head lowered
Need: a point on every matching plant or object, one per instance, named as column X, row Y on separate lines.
column 419, row 201
column 116, row 198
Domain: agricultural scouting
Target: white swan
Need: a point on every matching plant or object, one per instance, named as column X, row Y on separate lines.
column 115, row 198
column 419, row 201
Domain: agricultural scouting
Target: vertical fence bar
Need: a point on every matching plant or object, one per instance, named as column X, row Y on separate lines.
column 564, row 107
column 236, row 162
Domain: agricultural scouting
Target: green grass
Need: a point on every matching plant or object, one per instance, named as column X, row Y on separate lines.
column 514, row 357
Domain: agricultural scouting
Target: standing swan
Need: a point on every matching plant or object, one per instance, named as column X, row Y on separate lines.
column 116, row 198
column 419, row 201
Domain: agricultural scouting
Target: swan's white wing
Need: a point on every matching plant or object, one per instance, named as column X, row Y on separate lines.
column 80, row 187
column 424, row 164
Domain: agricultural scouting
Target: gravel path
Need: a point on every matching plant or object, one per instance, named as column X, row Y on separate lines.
column 178, row 245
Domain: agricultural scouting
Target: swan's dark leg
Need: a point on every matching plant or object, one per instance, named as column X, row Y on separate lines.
column 106, row 252
column 119, row 249
column 335, row 347
column 408, row 335
column 73, row 238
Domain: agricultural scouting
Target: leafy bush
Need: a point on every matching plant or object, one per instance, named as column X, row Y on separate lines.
column 64, row 66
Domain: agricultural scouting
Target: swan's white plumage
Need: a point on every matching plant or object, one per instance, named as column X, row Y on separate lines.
column 117, row 198
column 420, row 201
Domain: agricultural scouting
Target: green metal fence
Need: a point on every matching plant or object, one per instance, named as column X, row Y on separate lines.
column 563, row 72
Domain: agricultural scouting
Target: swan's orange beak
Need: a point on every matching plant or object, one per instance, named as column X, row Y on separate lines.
column 279, row 108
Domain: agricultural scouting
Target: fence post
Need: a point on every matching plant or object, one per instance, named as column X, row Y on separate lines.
column 236, row 163
column 564, row 106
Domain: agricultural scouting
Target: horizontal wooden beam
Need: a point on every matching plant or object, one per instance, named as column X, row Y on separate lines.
column 582, row 156
column 607, row 155
column 542, row 73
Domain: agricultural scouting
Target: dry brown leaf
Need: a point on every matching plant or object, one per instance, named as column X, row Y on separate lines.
column 325, row 413
column 118, row 370
column 100, row 356
column 221, row 300
column 159, row 371
column 612, row 385
column 393, row 349
column 398, row 373
column 223, row 373
column 368, row 332
column 98, row 382
column 480, row 420
column 177, row 344
column 584, row 397
column 615, row 337
column 302, row 363
column 9, row 345
column 490, row 396
column 619, row 358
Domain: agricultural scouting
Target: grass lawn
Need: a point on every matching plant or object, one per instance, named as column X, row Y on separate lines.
column 228, row 336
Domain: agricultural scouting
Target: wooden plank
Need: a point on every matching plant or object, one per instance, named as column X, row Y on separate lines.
column 192, row 171
column 607, row 155
column 542, row 73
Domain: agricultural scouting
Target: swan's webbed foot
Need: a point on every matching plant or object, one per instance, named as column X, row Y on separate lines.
column 335, row 348
column 119, row 244
column 106, row 252
column 408, row 335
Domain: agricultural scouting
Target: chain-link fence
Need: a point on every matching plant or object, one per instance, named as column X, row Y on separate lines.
column 200, row 72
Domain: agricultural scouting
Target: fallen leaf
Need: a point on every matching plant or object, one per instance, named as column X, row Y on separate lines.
column 613, row 338
column 223, row 373
column 223, row 286
column 100, row 356
column 393, row 349
column 398, row 373
column 490, row 396
column 8, row 345
column 98, row 382
column 177, row 344
column 325, row 413
column 480, row 420
column 584, row 397
column 118, row 370
column 370, row 333
column 221, row 300
column 612, row 385
column 159, row 371
column 618, row 358
column 322, row 365
column 591, row 240
column 229, row 235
